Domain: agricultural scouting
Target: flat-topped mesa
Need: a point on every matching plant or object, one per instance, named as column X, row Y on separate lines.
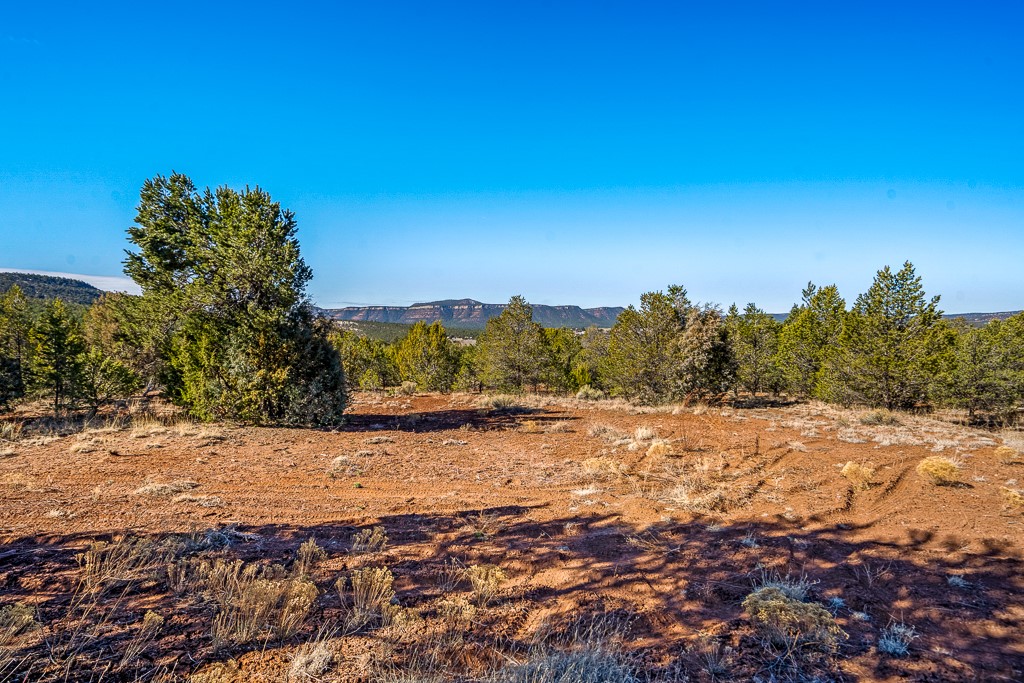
column 469, row 313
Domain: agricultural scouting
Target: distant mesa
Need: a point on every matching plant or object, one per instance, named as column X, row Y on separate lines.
column 469, row 313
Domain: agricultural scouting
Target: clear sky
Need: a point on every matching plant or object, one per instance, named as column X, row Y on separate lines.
column 574, row 152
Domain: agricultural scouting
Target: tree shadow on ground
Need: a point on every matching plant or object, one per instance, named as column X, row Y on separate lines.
column 677, row 578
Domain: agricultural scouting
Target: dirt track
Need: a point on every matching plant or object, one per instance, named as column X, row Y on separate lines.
column 580, row 521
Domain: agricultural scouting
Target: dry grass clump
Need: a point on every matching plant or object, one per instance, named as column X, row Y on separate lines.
column 369, row 540
column 115, row 564
column 501, row 403
column 939, row 470
column 586, row 665
column 201, row 501
column 1014, row 498
column 880, row 418
column 456, row 613
column 11, row 431
column 859, row 475
column 1008, row 455
column 559, row 427
column 486, row 580
column 377, row 440
column 644, row 433
column 8, row 452
column 166, row 489
column 606, row 432
column 659, row 448
column 312, row 660
column 342, row 466
column 454, row 442
column 701, row 488
column 254, row 601
column 144, row 636
column 785, row 622
column 604, row 467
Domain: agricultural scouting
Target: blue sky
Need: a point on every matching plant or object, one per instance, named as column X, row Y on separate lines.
column 572, row 152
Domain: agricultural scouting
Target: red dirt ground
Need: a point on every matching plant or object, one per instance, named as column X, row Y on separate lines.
column 579, row 524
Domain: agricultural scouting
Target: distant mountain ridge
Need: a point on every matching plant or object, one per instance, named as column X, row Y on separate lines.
column 45, row 287
column 469, row 313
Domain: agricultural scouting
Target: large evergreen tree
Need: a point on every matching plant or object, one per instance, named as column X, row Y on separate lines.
column 512, row 350
column 224, row 268
column 57, row 358
column 890, row 348
column 15, row 325
column 809, row 336
column 754, row 341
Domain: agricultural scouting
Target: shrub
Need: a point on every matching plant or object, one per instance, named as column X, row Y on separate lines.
column 308, row 555
column 1007, row 455
column 408, row 388
column 880, row 418
column 659, row 448
column 372, row 594
column 785, row 622
column 604, row 467
column 644, row 433
column 939, row 470
column 589, row 393
column 895, row 639
column 486, row 580
column 1014, row 497
column 369, row 540
column 859, row 475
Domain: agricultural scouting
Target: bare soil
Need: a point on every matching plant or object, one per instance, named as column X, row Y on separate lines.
column 582, row 522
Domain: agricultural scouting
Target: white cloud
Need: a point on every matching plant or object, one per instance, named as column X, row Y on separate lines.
column 108, row 283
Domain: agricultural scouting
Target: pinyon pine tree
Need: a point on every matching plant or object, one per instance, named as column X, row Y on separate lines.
column 242, row 341
column 511, row 349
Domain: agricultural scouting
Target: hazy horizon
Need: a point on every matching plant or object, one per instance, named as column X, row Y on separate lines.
column 573, row 153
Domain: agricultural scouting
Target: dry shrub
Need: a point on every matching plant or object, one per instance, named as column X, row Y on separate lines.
column 939, row 470
column 312, row 659
column 1014, row 498
column 408, row 388
column 342, row 466
column 606, row 432
column 784, row 622
column 700, row 488
column 377, row 440
column 486, row 580
column 1008, row 456
column 659, row 449
column 166, row 489
column 795, row 588
column 118, row 563
column 859, row 475
column 369, row 540
column 14, row 620
column 501, row 403
column 530, row 427
column 879, row 418
column 201, row 501
column 456, row 613
column 559, row 427
column 308, row 555
column 604, row 467
column 372, row 594
column 8, row 452
column 895, row 639
column 11, row 431
column 644, row 433
column 144, row 636
column 254, row 601
column 589, row 393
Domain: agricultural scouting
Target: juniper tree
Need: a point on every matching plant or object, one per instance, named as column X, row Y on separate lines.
column 57, row 356
column 15, row 325
column 985, row 370
column 809, row 335
column 512, row 351
column 224, row 268
column 428, row 357
column 644, row 358
column 754, row 342
column 890, row 345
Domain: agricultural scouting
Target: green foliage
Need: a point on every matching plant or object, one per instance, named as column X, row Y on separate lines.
column 891, row 344
column 669, row 349
column 566, row 371
column 428, row 357
column 985, row 368
column 754, row 343
column 808, row 337
column 369, row 364
column 512, row 351
column 15, row 348
column 242, row 342
column 57, row 358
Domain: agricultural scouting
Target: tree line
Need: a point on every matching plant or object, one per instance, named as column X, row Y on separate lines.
column 224, row 328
